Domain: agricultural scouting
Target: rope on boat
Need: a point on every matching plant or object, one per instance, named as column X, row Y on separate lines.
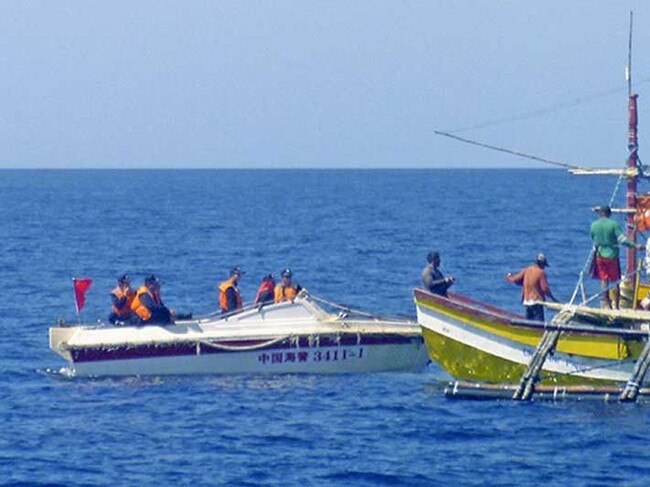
column 65, row 347
column 220, row 346
column 345, row 310
column 609, row 288
column 592, row 255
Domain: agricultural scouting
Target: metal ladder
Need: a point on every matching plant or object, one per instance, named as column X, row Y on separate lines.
column 631, row 390
column 546, row 346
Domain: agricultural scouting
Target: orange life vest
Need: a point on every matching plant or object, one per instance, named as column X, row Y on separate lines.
column 642, row 216
column 223, row 300
column 285, row 293
column 265, row 287
column 138, row 307
column 124, row 310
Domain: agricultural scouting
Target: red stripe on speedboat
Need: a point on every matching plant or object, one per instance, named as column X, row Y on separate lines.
column 188, row 349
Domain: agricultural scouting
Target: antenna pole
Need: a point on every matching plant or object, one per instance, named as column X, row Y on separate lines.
column 628, row 71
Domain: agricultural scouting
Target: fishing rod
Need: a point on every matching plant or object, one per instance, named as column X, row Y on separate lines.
column 510, row 151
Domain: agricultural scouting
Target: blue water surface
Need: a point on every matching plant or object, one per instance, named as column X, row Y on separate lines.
column 355, row 237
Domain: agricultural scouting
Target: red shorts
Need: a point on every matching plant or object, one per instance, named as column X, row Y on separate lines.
column 608, row 269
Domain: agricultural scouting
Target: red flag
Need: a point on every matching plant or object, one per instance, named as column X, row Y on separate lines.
column 80, row 286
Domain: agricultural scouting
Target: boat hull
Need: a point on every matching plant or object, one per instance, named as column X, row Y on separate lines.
column 298, row 337
column 477, row 343
column 322, row 356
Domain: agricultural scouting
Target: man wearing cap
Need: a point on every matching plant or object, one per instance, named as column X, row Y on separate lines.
column 148, row 306
column 607, row 235
column 534, row 287
column 121, row 296
column 229, row 296
column 432, row 278
column 286, row 290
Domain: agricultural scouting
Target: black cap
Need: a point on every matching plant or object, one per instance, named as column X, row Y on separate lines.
column 123, row 278
column 236, row 270
column 431, row 256
column 152, row 279
column 605, row 209
column 286, row 273
column 268, row 277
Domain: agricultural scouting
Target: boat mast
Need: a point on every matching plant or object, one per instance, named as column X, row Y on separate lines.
column 633, row 146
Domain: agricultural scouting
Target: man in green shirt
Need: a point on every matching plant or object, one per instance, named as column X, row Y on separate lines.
column 607, row 235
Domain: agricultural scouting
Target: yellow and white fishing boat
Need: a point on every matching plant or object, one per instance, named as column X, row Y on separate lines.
column 478, row 342
column 588, row 346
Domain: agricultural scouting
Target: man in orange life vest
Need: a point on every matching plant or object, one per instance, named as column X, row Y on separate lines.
column 286, row 290
column 121, row 296
column 229, row 296
column 148, row 306
column 265, row 293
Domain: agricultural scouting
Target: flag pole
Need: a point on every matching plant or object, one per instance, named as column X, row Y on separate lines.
column 74, row 299
column 80, row 288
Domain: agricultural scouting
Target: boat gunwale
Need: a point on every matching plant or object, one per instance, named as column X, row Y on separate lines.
column 460, row 302
column 411, row 332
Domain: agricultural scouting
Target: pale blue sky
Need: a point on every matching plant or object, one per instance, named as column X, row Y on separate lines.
column 273, row 84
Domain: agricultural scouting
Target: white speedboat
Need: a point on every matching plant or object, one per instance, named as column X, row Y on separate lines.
column 290, row 337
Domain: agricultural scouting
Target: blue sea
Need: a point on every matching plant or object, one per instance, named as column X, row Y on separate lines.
column 357, row 237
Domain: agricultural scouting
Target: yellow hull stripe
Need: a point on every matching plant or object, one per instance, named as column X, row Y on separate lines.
column 584, row 344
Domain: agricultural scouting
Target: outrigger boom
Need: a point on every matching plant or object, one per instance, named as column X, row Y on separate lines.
column 474, row 390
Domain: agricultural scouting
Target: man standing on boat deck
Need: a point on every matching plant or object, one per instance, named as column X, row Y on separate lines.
column 607, row 235
column 534, row 287
column 229, row 296
column 432, row 279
